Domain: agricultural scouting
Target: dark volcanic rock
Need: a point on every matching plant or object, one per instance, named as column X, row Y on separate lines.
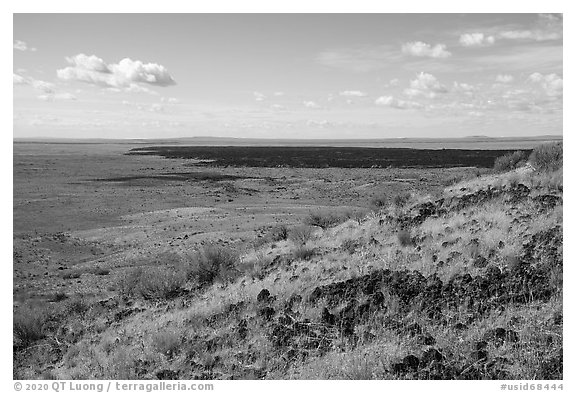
column 266, row 313
column 425, row 339
column 431, row 355
column 500, row 335
column 167, row 374
column 327, row 318
column 480, row 262
column 263, row 296
column 479, row 355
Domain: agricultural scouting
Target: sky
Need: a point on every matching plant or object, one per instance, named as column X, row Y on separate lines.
column 287, row 75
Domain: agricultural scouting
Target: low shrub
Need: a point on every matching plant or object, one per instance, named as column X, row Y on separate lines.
column 300, row 235
column 325, row 219
column 152, row 283
column 167, row 343
column 350, row 245
column 379, row 202
column 303, row 252
column 256, row 267
column 160, row 283
column 58, row 297
column 214, row 263
column 28, row 325
column 77, row 305
column 279, row 233
column 400, row 200
column 509, row 161
column 547, row 157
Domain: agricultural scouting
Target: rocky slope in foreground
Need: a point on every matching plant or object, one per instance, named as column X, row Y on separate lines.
column 468, row 286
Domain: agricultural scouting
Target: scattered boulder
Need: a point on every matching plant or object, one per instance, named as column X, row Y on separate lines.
column 263, row 296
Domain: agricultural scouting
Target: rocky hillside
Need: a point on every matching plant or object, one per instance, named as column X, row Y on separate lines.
column 465, row 286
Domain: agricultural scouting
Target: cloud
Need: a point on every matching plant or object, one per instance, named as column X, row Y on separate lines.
column 547, row 27
column 156, row 108
column 394, row 82
column 42, row 86
column 127, row 75
column 18, row 80
column 352, row 93
column 57, row 97
column 170, row 100
column 532, row 35
column 476, row 39
column 504, row 78
column 45, row 87
column 397, row 103
column 421, row 49
column 22, row 46
column 259, row 96
column 552, row 84
column 278, row 93
column 465, row 87
column 425, row 85
column 311, row 104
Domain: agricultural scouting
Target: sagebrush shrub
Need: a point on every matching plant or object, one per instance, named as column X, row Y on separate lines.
column 509, row 161
column 400, row 200
column 167, row 343
column 279, row 232
column 379, row 202
column 214, row 263
column 326, row 220
column 303, row 252
column 152, row 283
column 547, row 157
column 300, row 235
column 28, row 325
column 161, row 283
column 350, row 245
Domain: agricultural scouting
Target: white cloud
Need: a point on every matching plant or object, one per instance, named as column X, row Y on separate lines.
column 465, row 87
column 259, row 96
column 42, row 86
column 394, row 82
column 277, row 107
column 425, row 85
column 91, row 63
column 45, row 87
column 22, row 46
column 311, row 104
column 533, row 35
column 57, row 97
column 504, row 78
column 170, row 100
column 352, row 93
column 278, row 93
column 547, row 27
column 18, row 80
column 319, row 123
column 135, row 88
column 156, row 108
column 552, row 84
column 397, row 103
column 476, row 39
column 128, row 74
column 422, row 49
